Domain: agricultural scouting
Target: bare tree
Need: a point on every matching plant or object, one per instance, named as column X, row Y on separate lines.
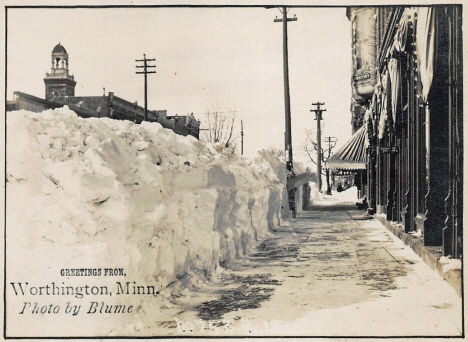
column 278, row 153
column 221, row 129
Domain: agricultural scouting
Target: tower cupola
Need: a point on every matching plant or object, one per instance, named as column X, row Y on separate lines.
column 59, row 59
column 59, row 83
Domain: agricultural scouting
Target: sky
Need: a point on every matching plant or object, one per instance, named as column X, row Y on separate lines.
column 207, row 59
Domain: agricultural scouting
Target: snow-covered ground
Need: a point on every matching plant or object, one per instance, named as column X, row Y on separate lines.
column 349, row 195
column 100, row 193
column 420, row 303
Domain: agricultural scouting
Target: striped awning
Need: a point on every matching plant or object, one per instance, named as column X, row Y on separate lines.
column 352, row 155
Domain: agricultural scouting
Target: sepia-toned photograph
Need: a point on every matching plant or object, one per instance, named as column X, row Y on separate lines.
column 184, row 170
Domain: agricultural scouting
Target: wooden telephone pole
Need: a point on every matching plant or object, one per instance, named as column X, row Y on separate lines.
column 287, row 104
column 318, row 116
column 145, row 71
column 242, row 138
column 330, row 141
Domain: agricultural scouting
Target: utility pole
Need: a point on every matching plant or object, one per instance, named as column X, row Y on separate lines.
column 145, row 71
column 318, row 116
column 330, row 141
column 287, row 104
column 242, row 138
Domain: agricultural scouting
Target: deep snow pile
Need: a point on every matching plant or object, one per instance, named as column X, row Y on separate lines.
column 104, row 193
column 349, row 195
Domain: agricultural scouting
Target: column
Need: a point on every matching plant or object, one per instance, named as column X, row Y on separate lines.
column 438, row 149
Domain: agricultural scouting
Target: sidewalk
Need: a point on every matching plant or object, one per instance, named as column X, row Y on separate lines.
column 359, row 280
column 449, row 269
column 334, row 271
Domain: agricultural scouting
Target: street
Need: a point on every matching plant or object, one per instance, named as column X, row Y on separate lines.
column 334, row 271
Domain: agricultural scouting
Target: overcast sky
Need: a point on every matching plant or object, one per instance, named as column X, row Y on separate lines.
column 208, row 59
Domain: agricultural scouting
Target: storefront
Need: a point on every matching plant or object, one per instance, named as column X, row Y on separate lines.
column 414, row 126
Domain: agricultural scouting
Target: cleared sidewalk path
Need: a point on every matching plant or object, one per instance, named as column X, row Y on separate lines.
column 337, row 272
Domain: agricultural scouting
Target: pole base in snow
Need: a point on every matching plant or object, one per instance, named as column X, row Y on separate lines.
column 292, row 203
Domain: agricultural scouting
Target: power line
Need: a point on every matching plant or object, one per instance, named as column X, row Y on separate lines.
column 287, row 104
column 318, row 116
column 330, row 141
column 145, row 71
column 242, row 138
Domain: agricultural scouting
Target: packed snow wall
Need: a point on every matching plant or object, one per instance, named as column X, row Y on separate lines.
column 95, row 193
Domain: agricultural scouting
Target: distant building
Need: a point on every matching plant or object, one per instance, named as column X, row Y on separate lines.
column 60, row 91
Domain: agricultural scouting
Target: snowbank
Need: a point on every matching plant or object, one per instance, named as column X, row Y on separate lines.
column 315, row 195
column 449, row 264
column 347, row 196
column 89, row 193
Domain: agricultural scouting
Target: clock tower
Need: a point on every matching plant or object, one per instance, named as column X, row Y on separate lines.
column 59, row 83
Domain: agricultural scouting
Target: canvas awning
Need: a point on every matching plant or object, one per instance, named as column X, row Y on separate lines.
column 425, row 45
column 352, row 155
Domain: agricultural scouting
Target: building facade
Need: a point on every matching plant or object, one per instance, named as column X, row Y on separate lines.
column 413, row 118
column 364, row 58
